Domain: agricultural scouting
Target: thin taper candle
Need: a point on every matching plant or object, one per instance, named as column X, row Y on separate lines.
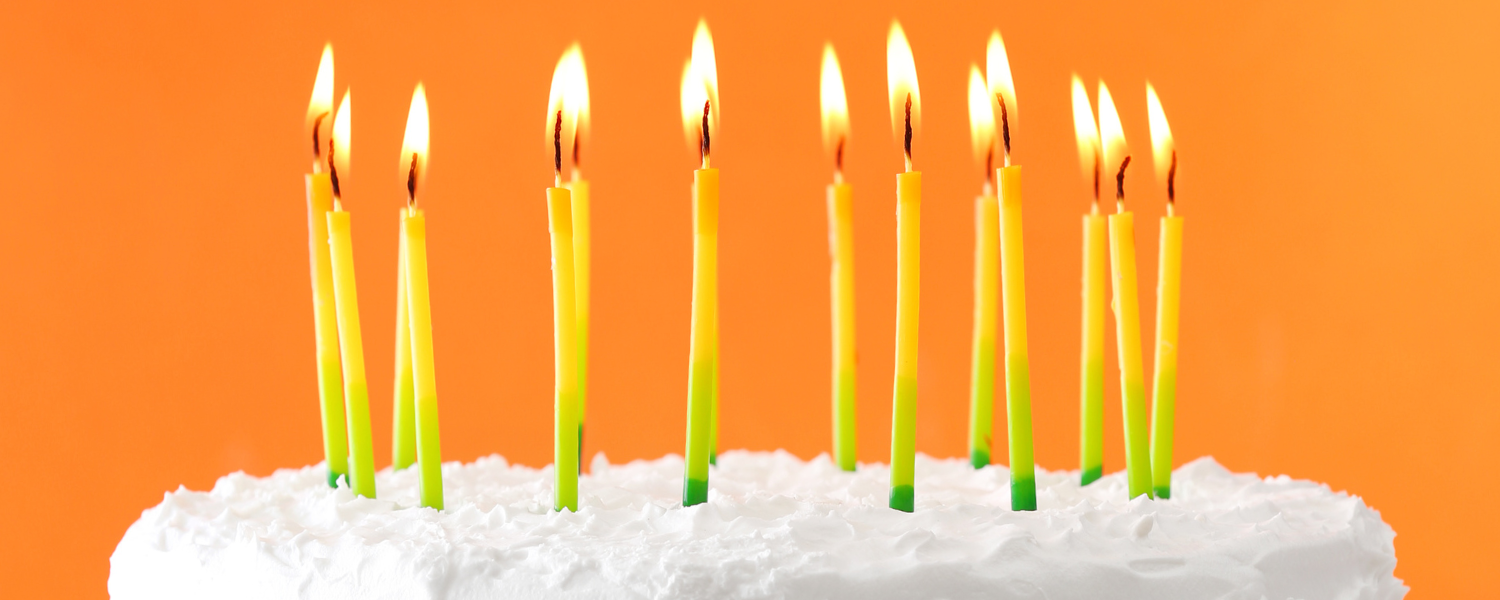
column 841, row 251
column 1168, row 292
column 404, row 417
column 351, row 346
column 1126, row 303
column 565, row 353
column 1095, row 286
column 419, row 305
column 700, row 113
column 986, row 275
column 905, row 102
column 835, row 112
column 325, row 319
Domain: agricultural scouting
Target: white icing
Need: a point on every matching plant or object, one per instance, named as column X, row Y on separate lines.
column 774, row 527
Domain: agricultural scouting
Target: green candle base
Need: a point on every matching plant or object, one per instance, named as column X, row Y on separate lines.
column 1163, row 493
column 979, row 458
column 334, row 477
column 694, row 491
column 1023, row 494
column 1091, row 475
column 903, row 498
column 713, row 458
column 580, row 447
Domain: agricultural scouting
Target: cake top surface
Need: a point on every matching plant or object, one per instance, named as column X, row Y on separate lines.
column 775, row 526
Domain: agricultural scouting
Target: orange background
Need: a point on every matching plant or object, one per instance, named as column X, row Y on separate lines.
column 1339, row 283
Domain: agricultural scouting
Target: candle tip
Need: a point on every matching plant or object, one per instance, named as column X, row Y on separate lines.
column 333, row 173
column 705, row 137
column 1004, row 126
column 908, row 132
column 1172, row 182
column 557, row 145
column 411, row 182
column 317, row 140
column 1120, row 181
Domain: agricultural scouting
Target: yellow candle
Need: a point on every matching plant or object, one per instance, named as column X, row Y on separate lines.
column 703, row 363
column 1013, row 289
column 986, row 274
column 419, row 307
column 901, row 79
column 1126, row 302
column 325, row 320
column 841, row 253
column 1168, row 292
column 561, row 126
column 700, row 113
column 581, row 285
column 1095, row 282
column 565, row 346
column 404, row 421
column 576, row 75
column 346, row 296
column 1091, row 369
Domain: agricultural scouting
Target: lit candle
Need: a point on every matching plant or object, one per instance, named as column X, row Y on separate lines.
column 414, row 156
column 1126, row 303
column 906, row 118
column 1168, row 288
column 841, row 252
column 560, row 128
column 325, row 320
column 986, row 273
column 1095, row 280
column 1013, row 289
column 700, row 114
column 346, row 296
column 578, row 94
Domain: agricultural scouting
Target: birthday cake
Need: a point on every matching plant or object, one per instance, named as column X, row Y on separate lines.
column 774, row 527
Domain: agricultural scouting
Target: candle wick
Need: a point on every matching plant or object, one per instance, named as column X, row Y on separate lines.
column 1172, row 182
column 908, row 133
column 1120, row 183
column 838, row 159
column 575, row 150
column 411, row 183
column 989, row 167
column 1096, row 178
column 557, row 148
column 1004, row 127
column 317, row 142
column 704, row 151
column 333, row 173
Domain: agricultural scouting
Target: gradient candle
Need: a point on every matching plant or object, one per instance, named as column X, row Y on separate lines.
column 419, row 307
column 325, row 317
column 986, row 273
column 841, row 254
column 700, row 113
column 1126, row 303
column 906, row 115
column 1168, row 292
column 346, row 296
column 1095, row 283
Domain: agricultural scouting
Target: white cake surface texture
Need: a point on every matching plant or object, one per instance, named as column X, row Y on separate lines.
column 775, row 527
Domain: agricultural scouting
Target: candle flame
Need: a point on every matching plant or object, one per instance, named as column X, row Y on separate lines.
column 338, row 146
column 901, row 83
column 1087, row 133
column 1115, row 153
column 981, row 120
column 414, row 146
column 700, row 93
column 563, row 108
column 1002, row 88
column 580, row 96
column 320, row 107
column 1163, row 150
column 835, row 107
